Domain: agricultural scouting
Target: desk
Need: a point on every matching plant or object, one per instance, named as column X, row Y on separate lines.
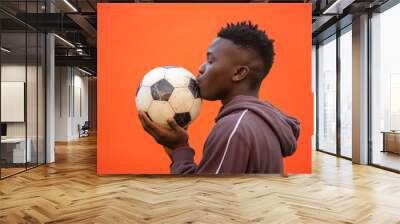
column 13, row 150
column 391, row 141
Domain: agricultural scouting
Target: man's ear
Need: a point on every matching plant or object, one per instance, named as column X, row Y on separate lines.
column 241, row 73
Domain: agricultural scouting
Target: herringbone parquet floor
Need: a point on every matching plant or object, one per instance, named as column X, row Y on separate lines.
column 69, row 191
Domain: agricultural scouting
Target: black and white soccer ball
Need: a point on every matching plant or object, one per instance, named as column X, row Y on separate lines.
column 169, row 91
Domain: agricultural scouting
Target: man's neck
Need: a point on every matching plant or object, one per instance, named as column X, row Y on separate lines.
column 232, row 95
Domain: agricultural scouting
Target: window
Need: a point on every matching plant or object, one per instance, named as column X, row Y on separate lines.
column 327, row 95
column 385, row 89
column 346, row 93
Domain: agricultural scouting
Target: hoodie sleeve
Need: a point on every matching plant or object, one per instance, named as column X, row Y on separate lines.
column 182, row 161
column 218, row 155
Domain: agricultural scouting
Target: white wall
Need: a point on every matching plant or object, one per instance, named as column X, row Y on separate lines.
column 61, row 103
column 13, row 100
column 70, row 94
column 80, row 84
column 14, row 73
column 11, row 73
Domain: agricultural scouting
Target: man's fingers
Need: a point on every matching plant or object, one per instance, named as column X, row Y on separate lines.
column 141, row 120
column 172, row 123
column 144, row 124
column 140, row 117
column 147, row 124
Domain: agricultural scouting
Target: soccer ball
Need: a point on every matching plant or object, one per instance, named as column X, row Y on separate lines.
column 169, row 91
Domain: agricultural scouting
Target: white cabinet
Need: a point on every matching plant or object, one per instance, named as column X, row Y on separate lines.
column 17, row 147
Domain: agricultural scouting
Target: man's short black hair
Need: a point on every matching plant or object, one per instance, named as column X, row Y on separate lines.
column 248, row 35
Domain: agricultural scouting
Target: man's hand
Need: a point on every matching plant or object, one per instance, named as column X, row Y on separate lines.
column 171, row 138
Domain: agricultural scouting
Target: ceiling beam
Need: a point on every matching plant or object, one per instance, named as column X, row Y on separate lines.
column 82, row 61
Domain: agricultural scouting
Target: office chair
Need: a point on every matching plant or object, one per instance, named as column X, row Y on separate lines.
column 84, row 130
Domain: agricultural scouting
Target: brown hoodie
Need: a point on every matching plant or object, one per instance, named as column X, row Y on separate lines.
column 250, row 136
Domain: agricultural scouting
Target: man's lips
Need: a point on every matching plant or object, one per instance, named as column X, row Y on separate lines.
column 198, row 82
column 198, row 78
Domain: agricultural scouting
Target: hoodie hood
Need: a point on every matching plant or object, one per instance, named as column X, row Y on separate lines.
column 285, row 127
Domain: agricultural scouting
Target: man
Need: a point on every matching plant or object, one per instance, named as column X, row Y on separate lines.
column 250, row 136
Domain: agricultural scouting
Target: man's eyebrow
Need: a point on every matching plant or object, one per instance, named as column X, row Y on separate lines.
column 209, row 54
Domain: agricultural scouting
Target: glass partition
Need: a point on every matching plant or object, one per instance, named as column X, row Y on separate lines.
column 22, row 77
column 14, row 153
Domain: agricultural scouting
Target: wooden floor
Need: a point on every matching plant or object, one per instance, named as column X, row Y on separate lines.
column 69, row 191
column 5, row 172
column 387, row 159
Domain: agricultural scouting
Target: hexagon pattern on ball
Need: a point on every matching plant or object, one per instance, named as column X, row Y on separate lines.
column 169, row 66
column 176, row 80
column 194, row 88
column 161, row 90
column 195, row 109
column 187, row 73
column 144, row 98
column 153, row 76
column 137, row 90
column 181, row 100
column 160, row 111
column 169, row 92
column 182, row 119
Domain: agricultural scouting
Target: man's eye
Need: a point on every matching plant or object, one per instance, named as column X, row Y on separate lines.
column 209, row 62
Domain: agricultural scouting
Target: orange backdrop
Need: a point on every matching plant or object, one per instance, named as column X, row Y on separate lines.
column 134, row 38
